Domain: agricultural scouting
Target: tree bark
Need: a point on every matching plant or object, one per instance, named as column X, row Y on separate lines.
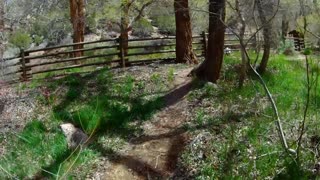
column 284, row 27
column 244, row 61
column 266, row 38
column 126, row 25
column 125, row 28
column 303, row 14
column 1, row 15
column 184, row 50
column 2, row 28
column 210, row 69
column 77, row 14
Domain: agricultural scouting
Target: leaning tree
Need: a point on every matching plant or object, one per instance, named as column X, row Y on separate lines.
column 184, row 51
column 210, row 69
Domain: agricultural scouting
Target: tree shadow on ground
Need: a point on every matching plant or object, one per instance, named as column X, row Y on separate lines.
column 114, row 117
column 141, row 168
column 294, row 171
column 115, row 120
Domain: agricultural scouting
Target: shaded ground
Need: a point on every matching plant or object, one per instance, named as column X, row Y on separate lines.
column 196, row 130
column 155, row 153
column 152, row 154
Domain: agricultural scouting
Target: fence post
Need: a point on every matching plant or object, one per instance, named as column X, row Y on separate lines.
column 121, row 55
column 23, row 61
column 204, row 41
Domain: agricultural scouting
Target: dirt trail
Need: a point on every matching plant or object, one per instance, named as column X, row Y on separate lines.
column 155, row 154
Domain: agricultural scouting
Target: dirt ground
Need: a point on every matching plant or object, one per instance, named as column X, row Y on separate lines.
column 16, row 109
column 154, row 155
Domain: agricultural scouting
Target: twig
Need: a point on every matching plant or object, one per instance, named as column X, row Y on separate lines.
column 268, row 154
column 10, row 175
column 72, row 164
column 49, row 172
column 157, row 159
column 265, row 87
column 305, row 113
column 57, row 178
column 80, row 146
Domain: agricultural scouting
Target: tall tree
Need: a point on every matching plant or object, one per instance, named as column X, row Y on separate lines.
column 267, row 29
column 77, row 14
column 210, row 69
column 184, row 51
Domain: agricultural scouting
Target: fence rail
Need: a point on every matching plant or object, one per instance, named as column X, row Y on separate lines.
column 32, row 63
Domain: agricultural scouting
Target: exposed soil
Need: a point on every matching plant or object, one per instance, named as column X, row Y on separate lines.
column 16, row 108
column 154, row 155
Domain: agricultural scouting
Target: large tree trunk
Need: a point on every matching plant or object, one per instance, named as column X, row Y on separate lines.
column 184, row 51
column 210, row 69
column 77, row 14
column 266, row 37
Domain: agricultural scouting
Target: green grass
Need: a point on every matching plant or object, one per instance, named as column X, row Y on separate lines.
column 100, row 103
column 33, row 148
column 245, row 143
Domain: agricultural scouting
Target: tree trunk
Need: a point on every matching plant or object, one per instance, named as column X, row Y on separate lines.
column 316, row 7
column 124, row 36
column 266, row 38
column 2, row 13
column 210, row 69
column 184, row 51
column 77, row 14
column 303, row 14
column 244, row 62
column 284, row 27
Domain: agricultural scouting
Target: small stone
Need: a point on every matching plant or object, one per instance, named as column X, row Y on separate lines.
column 215, row 86
column 75, row 136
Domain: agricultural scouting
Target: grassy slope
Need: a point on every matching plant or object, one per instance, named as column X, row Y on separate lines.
column 244, row 141
column 114, row 105
column 111, row 106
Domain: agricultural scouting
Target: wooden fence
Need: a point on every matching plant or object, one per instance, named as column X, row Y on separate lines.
column 59, row 61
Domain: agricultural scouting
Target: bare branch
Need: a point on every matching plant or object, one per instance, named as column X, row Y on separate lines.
column 140, row 12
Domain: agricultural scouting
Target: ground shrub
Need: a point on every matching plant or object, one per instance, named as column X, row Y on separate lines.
column 142, row 28
column 20, row 39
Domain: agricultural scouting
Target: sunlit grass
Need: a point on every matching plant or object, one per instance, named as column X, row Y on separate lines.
column 247, row 146
column 244, row 142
